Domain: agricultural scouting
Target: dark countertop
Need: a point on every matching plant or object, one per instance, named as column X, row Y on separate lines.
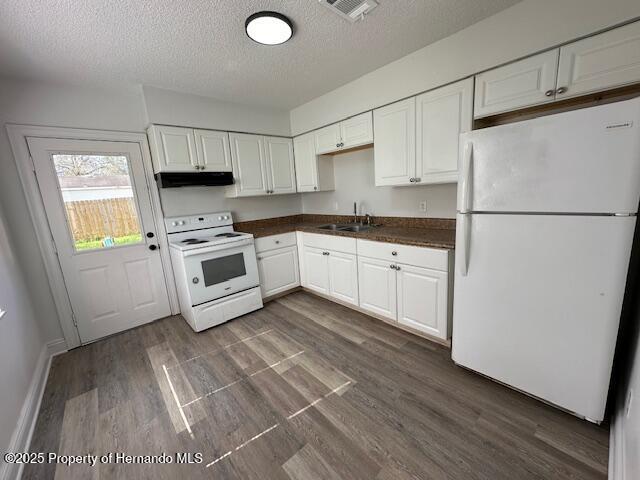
column 440, row 235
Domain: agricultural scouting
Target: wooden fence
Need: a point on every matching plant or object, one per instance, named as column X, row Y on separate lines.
column 97, row 219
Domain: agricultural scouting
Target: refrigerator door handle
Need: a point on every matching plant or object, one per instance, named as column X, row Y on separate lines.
column 465, row 243
column 466, row 189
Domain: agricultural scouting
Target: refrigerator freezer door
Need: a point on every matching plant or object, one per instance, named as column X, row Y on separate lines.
column 584, row 161
column 539, row 306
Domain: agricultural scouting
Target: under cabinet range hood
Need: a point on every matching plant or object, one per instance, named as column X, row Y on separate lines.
column 196, row 179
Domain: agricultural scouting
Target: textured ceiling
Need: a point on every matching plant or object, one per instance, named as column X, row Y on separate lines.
column 200, row 46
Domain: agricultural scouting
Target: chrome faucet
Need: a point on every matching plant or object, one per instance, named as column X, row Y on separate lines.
column 355, row 212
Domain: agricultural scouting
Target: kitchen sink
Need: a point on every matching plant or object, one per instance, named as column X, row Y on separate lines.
column 346, row 227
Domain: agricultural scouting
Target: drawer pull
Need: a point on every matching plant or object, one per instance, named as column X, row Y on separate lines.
column 394, row 253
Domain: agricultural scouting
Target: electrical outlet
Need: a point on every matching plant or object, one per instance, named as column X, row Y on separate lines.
column 423, row 206
column 335, row 206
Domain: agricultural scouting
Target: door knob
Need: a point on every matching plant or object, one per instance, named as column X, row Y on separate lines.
column 153, row 247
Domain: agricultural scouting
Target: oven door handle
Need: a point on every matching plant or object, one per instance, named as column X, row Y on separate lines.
column 218, row 248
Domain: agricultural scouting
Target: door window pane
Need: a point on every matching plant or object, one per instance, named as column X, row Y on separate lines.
column 98, row 199
column 221, row 269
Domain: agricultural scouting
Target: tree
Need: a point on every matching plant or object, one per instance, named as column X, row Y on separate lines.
column 90, row 165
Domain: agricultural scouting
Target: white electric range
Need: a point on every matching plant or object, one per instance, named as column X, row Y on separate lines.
column 215, row 269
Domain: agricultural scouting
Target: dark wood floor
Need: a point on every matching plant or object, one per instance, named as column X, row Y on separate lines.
column 301, row 389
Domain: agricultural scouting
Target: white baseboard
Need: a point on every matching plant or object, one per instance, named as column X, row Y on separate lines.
column 21, row 438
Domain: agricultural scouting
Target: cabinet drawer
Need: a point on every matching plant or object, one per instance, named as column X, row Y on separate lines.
column 264, row 244
column 436, row 259
column 329, row 242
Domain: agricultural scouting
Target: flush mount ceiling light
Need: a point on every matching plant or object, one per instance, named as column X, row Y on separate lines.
column 269, row 28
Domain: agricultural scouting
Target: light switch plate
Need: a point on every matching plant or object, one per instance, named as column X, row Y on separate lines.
column 2, row 312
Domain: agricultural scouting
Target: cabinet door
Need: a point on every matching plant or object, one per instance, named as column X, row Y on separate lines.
column 377, row 286
column 306, row 163
column 394, row 149
column 174, row 149
column 422, row 300
column 213, row 150
column 316, row 270
column 278, row 270
column 343, row 277
column 527, row 82
column 328, row 139
column 280, row 165
column 357, row 130
column 249, row 164
column 608, row 60
column 441, row 116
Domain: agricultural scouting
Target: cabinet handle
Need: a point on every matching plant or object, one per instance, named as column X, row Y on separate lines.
column 393, row 267
column 277, row 242
column 417, row 179
column 561, row 90
column 325, row 253
column 398, row 267
column 197, row 167
column 337, row 145
column 394, row 253
column 259, row 258
column 315, row 188
column 549, row 93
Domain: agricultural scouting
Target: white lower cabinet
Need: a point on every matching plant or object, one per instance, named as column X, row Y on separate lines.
column 343, row 277
column 316, row 268
column 278, row 270
column 372, row 275
column 377, row 286
column 422, row 299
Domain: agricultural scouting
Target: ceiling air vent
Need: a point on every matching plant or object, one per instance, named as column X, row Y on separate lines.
column 352, row 10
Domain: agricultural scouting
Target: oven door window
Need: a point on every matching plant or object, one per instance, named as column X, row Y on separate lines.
column 220, row 270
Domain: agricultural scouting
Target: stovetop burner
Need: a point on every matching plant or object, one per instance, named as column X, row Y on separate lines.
column 193, row 241
column 228, row 234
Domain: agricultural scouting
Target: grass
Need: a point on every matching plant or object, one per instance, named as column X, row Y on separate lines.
column 94, row 244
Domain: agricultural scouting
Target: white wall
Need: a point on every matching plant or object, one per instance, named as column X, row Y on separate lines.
column 62, row 106
column 519, row 31
column 21, row 337
column 174, row 108
column 191, row 200
column 355, row 182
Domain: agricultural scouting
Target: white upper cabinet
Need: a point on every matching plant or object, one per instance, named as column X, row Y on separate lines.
column 527, row 82
column 395, row 143
column 327, row 139
column 356, row 131
column 594, row 64
column 249, row 165
column 173, row 149
column 349, row 133
column 441, row 116
column 313, row 173
column 280, row 165
column 212, row 148
column 306, row 162
column 261, row 165
column 597, row 63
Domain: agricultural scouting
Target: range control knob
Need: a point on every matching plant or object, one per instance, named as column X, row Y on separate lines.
column 174, row 224
column 181, row 222
column 220, row 218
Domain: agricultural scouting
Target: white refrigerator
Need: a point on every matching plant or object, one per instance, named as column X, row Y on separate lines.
column 545, row 224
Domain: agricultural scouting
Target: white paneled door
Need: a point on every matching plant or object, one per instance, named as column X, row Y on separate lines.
column 99, row 211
